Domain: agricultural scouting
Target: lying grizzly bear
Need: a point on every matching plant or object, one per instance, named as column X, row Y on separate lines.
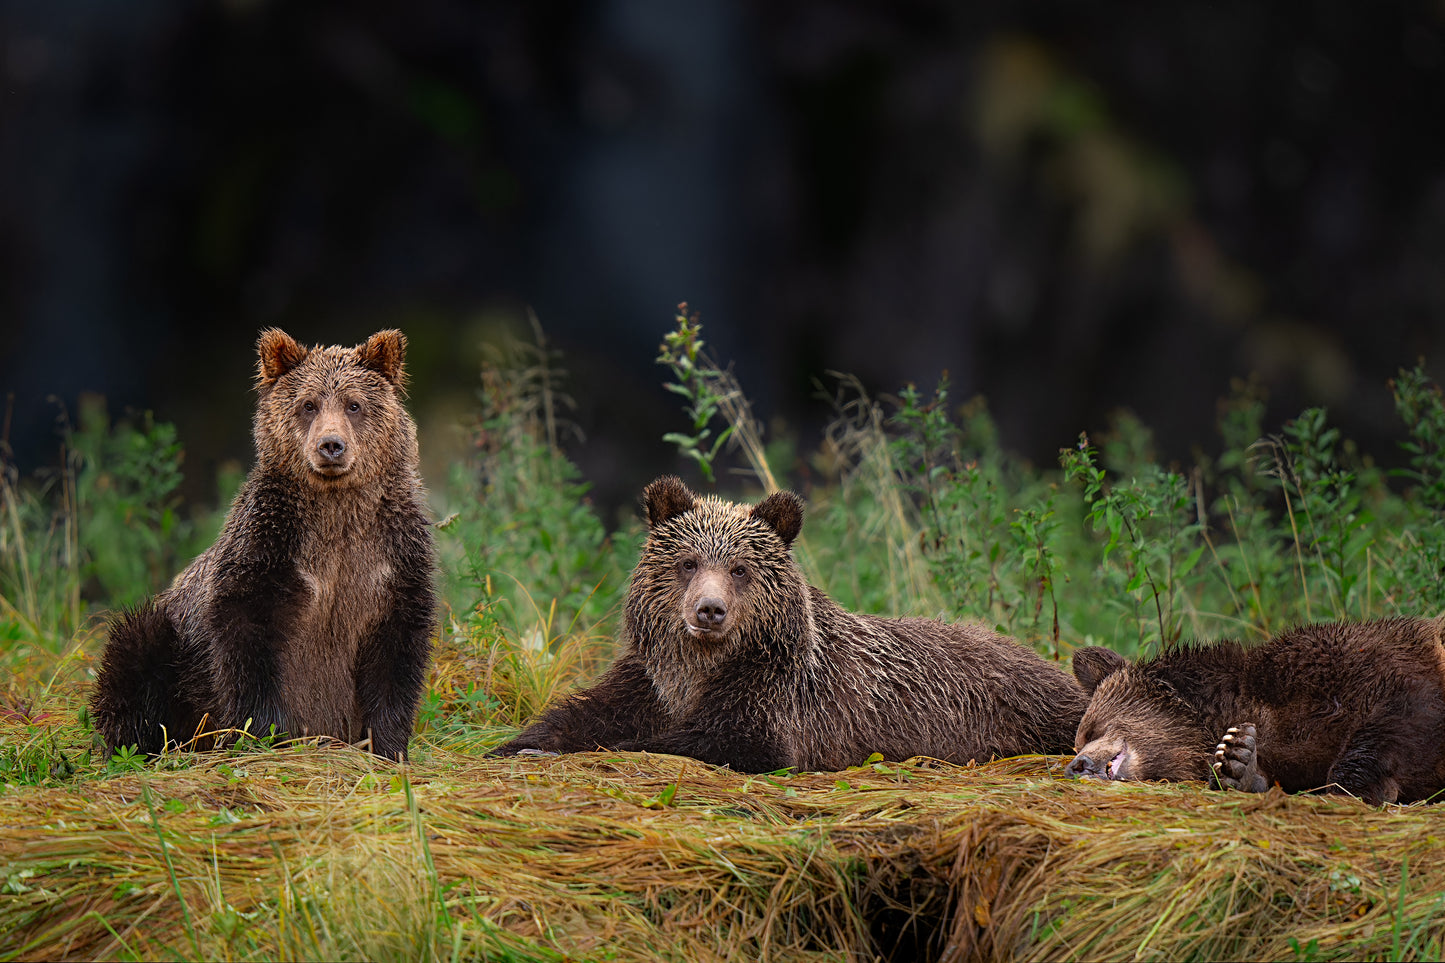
column 732, row 658
column 1355, row 708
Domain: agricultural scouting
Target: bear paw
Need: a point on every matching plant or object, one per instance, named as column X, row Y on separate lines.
column 1235, row 764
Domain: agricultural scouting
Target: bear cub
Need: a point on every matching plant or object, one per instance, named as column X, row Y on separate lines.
column 313, row 612
column 1355, row 708
column 733, row 659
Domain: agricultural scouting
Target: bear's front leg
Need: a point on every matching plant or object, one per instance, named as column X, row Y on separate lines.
column 621, row 707
column 247, row 626
column 254, row 600
column 1236, row 764
column 739, row 749
column 732, row 723
column 392, row 660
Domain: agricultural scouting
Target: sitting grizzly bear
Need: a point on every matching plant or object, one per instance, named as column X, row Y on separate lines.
column 732, row 658
column 1357, row 708
column 313, row 612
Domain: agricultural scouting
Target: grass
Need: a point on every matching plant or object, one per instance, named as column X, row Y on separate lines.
column 294, row 850
column 302, row 852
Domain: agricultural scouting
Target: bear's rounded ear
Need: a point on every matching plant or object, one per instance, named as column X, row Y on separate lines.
column 783, row 513
column 665, row 499
column 279, row 354
column 1093, row 664
column 383, row 353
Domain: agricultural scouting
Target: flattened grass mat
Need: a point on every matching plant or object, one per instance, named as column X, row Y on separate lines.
column 309, row 852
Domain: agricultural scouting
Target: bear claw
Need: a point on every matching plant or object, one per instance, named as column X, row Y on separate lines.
column 1235, row 764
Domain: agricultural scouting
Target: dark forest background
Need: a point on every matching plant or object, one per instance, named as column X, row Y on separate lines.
column 1070, row 207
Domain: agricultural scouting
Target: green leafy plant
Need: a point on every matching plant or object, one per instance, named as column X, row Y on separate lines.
column 1147, row 521
column 710, row 393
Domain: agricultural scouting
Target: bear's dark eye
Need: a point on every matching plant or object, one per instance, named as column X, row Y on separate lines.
column 309, row 407
column 354, row 407
column 739, row 571
column 688, row 566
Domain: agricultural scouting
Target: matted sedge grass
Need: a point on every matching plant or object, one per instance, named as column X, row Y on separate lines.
column 300, row 851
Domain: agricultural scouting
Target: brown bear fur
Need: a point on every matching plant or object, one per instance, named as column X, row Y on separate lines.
column 732, row 658
column 1343, row 707
column 313, row 612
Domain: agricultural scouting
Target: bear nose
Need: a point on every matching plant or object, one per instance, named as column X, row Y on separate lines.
column 332, row 447
column 1081, row 765
column 711, row 612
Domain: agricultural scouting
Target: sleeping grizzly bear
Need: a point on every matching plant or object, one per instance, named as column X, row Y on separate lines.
column 313, row 611
column 1357, row 708
column 732, row 658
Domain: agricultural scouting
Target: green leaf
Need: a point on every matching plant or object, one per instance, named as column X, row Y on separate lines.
column 1186, row 566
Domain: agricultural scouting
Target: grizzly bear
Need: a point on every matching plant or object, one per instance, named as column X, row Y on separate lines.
column 733, row 658
column 1344, row 707
column 313, row 612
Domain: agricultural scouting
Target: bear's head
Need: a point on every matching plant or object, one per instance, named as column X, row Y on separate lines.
column 715, row 576
column 1137, row 725
column 332, row 416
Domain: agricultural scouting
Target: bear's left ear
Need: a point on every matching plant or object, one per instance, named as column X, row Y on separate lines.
column 1093, row 664
column 783, row 513
column 383, row 354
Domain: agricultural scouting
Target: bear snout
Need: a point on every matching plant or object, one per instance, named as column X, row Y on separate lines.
column 1103, row 759
column 706, row 609
column 331, row 448
column 711, row 613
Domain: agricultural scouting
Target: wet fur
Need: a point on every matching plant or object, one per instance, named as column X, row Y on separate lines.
column 1345, row 707
column 795, row 680
column 314, row 610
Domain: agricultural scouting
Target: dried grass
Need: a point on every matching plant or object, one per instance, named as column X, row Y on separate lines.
column 309, row 852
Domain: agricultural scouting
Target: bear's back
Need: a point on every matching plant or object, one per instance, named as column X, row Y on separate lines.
column 920, row 687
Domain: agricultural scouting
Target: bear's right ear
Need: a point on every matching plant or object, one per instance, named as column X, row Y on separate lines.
column 1093, row 664
column 279, row 354
column 665, row 499
column 783, row 513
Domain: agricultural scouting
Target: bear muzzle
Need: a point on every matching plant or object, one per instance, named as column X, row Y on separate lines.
column 706, row 611
column 707, row 620
column 329, row 453
column 1100, row 762
column 330, row 456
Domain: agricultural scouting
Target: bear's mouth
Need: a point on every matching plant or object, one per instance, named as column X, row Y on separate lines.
column 331, row 471
column 705, row 634
column 1118, row 766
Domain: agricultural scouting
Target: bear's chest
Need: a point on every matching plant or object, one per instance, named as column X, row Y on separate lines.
column 345, row 579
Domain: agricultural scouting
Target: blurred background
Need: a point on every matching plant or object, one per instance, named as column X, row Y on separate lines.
column 1068, row 211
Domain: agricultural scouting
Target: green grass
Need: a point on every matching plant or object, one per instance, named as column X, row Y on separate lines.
column 276, row 850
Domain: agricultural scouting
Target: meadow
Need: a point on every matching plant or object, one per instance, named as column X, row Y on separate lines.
column 279, row 849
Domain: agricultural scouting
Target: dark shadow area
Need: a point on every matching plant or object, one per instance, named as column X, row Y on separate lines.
column 1069, row 210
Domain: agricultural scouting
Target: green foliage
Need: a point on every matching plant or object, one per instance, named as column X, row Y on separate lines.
column 695, row 379
column 989, row 526
column 712, row 393
column 133, row 537
column 1415, row 556
column 1151, row 539
column 522, row 536
column 102, row 530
